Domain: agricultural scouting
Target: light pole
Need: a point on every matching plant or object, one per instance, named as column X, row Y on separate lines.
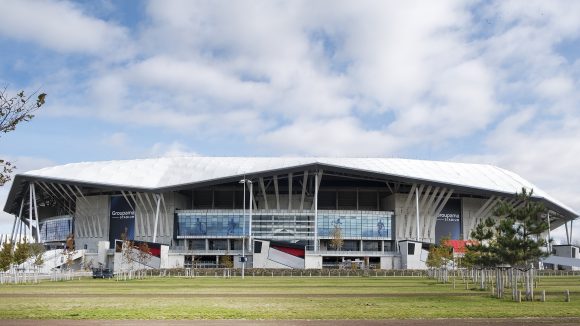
column 244, row 181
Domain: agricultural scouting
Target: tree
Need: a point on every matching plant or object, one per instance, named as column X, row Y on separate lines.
column 14, row 110
column 481, row 253
column 515, row 242
column 518, row 238
column 21, row 252
column 69, row 251
column 143, row 256
column 336, row 240
column 6, row 257
column 37, row 252
column 439, row 258
column 518, row 233
column 226, row 261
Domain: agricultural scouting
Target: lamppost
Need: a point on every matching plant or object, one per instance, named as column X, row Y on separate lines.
column 243, row 259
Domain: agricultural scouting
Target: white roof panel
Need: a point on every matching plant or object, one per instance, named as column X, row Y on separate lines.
column 172, row 171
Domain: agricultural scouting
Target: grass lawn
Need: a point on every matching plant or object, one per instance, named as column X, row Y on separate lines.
column 276, row 298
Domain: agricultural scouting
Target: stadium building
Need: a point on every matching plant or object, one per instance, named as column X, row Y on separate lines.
column 276, row 212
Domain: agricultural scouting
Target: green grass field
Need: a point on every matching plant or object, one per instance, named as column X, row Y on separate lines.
column 275, row 298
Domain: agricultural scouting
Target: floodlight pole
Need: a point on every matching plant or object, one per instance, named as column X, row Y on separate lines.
column 250, row 221
column 244, row 230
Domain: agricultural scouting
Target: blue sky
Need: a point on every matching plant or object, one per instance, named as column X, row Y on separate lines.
column 488, row 82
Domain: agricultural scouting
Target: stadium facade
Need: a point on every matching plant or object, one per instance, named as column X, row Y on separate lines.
column 277, row 212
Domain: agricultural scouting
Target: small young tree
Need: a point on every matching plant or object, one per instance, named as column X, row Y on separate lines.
column 6, row 258
column 69, row 251
column 143, row 256
column 21, row 254
column 226, row 261
column 336, row 239
column 127, row 255
column 128, row 258
column 439, row 258
column 37, row 252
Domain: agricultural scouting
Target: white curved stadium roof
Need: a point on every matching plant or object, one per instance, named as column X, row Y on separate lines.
column 173, row 171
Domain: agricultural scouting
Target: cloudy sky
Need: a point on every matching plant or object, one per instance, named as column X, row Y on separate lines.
column 473, row 81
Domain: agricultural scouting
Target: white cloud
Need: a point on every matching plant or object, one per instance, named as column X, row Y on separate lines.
column 61, row 26
column 283, row 64
column 117, row 139
column 170, row 150
column 334, row 137
column 556, row 87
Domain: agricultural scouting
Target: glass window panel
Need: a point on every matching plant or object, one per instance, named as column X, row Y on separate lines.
column 289, row 225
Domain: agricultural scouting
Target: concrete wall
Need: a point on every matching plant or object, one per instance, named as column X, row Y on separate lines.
column 174, row 261
column 391, row 262
column 414, row 260
column 91, row 222
column 92, row 219
column 313, row 262
column 566, row 251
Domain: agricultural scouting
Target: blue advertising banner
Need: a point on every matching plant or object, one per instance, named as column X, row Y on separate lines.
column 449, row 221
column 121, row 219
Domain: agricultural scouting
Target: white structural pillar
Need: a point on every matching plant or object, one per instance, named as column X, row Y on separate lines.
column 250, row 222
column 17, row 220
column 244, row 231
column 30, row 199
column 19, row 233
column 417, row 206
column 316, row 212
column 13, row 228
column 35, row 213
column 549, row 235
column 158, row 202
column 18, row 230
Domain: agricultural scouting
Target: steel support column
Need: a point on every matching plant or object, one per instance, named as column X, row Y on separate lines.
column 16, row 219
column 158, row 197
column 30, row 199
column 549, row 235
column 250, row 246
column 316, row 212
column 417, row 207
column 36, row 213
